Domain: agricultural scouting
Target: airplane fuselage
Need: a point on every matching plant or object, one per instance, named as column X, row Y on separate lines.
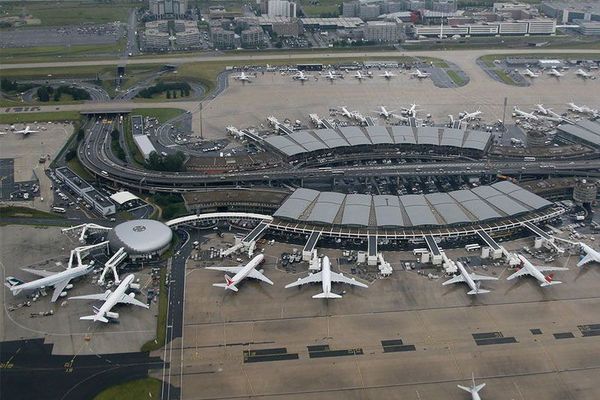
column 240, row 276
column 326, row 275
column 50, row 281
column 466, row 276
column 114, row 297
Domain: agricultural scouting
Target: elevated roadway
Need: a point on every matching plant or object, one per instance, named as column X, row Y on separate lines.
column 95, row 155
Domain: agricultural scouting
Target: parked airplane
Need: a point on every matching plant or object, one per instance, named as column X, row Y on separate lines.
column 346, row 113
column 470, row 279
column 331, row 76
column 26, row 131
column 242, row 272
column 582, row 109
column 591, row 255
column 530, row 73
column 301, row 76
column 410, row 112
column 527, row 268
column 359, row 117
column 110, row 300
column 58, row 280
column 243, row 77
column 556, row 73
column 467, row 116
column 326, row 276
column 473, row 389
column 419, row 74
column 583, row 74
column 541, row 109
column 385, row 113
column 360, row 76
column 387, row 75
column 524, row 114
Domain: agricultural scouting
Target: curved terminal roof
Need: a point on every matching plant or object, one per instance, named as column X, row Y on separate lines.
column 321, row 139
column 140, row 236
column 484, row 203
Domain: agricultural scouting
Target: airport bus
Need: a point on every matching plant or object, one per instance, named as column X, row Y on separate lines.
column 471, row 247
column 528, row 158
column 59, row 210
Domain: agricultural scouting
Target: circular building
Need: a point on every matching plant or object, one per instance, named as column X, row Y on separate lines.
column 141, row 238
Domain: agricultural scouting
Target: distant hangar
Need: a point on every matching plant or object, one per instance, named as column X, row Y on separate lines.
column 481, row 205
column 313, row 142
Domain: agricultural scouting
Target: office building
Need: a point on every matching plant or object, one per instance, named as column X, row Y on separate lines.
column 382, row 32
column 281, row 8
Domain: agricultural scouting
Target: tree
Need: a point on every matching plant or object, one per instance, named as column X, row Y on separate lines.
column 80, row 134
column 168, row 94
column 71, row 154
column 42, row 94
column 115, row 134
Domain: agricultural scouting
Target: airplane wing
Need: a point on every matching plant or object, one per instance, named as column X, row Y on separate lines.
column 477, row 277
column 521, row 272
column 456, row 279
column 99, row 296
column 257, row 275
column 588, row 258
column 58, row 288
column 548, row 269
column 335, row 277
column 312, row 278
column 132, row 300
column 231, row 270
column 39, row 272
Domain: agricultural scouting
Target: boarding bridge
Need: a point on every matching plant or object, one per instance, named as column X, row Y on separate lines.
column 448, row 264
column 81, row 252
column 112, row 264
column 85, row 229
column 372, row 250
column 545, row 239
column 385, row 268
column 248, row 243
column 314, row 264
column 328, row 124
column 309, row 247
column 496, row 249
column 370, row 121
column 434, row 250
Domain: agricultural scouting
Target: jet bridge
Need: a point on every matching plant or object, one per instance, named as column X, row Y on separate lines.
column 85, row 229
column 372, row 250
column 546, row 239
column 370, row 121
column 309, row 247
column 434, row 250
column 81, row 252
column 248, row 243
column 497, row 250
column 112, row 264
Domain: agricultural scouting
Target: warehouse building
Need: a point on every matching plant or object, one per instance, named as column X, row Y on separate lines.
column 87, row 192
column 584, row 132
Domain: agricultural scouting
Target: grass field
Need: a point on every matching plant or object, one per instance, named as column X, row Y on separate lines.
column 76, row 167
column 163, row 303
column 456, row 78
column 70, row 12
column 131, row 146
column 504, row 77
column 40, row 117
column 25, row 212
column 58, row 53
column 141, row 389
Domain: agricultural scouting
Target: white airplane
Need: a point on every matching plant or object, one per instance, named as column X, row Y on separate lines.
column 473, row 389
column 524, row 114
column 387, row 75
column 331, row 76
column 530, row 73
column 411, row 112
column 110, row 300
column 541, row 109
column 242, row 272
column 470, row 279
column 326, row 276
column 527, row 268
column 26, row 131
column 591, row 255
column 301, row 76
column 385, row 113
column 359, row 75
column 58, row 280
column 243, row 77
column 583, row 74
column 582, row 109
column 359, row 117
column 467, row 116
column 419, row 74
column 556, row 73
column 347, row 113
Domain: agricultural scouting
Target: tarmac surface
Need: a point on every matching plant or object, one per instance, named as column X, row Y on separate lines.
column 404, row 337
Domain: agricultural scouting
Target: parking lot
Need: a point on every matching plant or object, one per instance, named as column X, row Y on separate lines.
column 61, row 36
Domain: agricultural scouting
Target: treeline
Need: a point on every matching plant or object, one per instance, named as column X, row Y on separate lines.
column 115, row 145
column 171, row 162
column 172, row 88
column 44, row 93
column 7, row 85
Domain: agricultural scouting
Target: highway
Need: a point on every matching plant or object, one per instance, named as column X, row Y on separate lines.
column 95, row 155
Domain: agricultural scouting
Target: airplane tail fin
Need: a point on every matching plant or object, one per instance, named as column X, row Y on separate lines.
column 478, row 291
column 327, row 296
column 229, row 284
column 11, row 282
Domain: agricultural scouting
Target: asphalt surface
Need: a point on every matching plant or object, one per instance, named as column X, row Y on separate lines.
column 30, row 371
